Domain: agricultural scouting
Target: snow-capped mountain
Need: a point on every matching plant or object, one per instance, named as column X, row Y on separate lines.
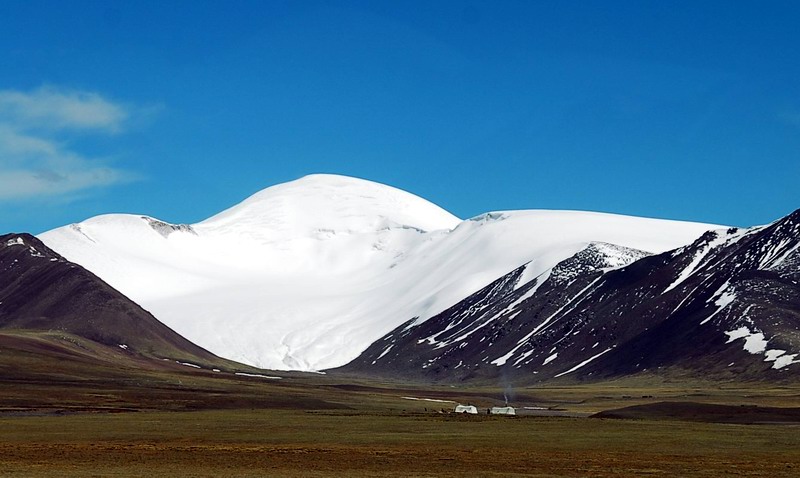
column 306, row 275
column 725, row 306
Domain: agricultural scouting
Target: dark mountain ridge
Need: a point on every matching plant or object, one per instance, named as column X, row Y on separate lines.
column 725, row 307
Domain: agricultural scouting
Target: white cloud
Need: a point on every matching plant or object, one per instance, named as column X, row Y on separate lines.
column 32, row 166
column 50, row 108
column 33, row 163
column 20, row 184
column 14, row 145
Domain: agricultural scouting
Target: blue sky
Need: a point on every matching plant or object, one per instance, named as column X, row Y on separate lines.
column 683, row 110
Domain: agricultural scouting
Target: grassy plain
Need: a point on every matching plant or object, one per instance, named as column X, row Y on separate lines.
column 346, row 443
column 63, row 414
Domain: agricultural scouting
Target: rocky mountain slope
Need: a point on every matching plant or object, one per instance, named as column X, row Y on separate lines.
column 725, row 306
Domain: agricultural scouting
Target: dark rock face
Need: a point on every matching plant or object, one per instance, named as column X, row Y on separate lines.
column 40, row 290
column 724, row 307
column 165, row 228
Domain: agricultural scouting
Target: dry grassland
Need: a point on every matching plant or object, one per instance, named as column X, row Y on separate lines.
column 338, row 443
column 57, row 419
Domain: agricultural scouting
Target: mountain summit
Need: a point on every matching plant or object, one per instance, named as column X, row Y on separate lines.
column 322, row 205
column 306, row 275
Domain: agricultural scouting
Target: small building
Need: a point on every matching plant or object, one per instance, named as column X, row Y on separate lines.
column 503, row 411
column 466, row 409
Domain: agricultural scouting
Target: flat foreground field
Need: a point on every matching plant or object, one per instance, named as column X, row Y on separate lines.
column 64, row 415
column 347, row 443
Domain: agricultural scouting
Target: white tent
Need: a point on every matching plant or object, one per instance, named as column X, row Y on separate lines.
column 466, row 409
column 503, row 411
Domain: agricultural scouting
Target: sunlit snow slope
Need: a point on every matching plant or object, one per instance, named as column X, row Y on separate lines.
column 305, row 275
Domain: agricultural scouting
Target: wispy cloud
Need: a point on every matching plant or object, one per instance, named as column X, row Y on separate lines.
column 32, row 166
column 34, row 159
column 48, row 107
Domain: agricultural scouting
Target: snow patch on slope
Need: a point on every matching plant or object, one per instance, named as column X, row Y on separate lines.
column 720, row 238
column 585, row 362
column 724, row 297
column 756, row 343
